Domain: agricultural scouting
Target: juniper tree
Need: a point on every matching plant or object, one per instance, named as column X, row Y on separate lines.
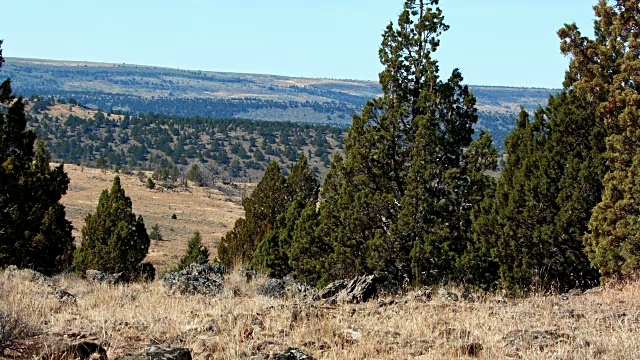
column 262, row 208
column 402, row 192
column 113, row 239
column 272, row 254
column 34, row 232
column 607, row 75
column 196, row 253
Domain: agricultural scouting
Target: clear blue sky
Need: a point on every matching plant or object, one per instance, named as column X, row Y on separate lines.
column 493, row 42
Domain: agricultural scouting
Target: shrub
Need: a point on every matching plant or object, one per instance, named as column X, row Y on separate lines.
column 196, row 253
column 13, row 331
column 113, row 239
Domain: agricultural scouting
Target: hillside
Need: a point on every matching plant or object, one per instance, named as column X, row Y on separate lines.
column 223, row 149
column 142, row 89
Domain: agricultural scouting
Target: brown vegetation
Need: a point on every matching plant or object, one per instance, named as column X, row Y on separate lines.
column 209, row 211
column 601, row 324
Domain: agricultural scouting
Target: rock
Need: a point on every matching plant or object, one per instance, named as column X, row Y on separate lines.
column 84, row 350
column 12, row 271
column 351, row 335
column 104, row 278
column 274, row 288
column 63, row 295
column 447, row 295
column 299, row 290
column 539, row 339
column 422, row 295
column 358, row 290
column 292, row 354
column 332, row 289
column 157, row 353
column 195, row 279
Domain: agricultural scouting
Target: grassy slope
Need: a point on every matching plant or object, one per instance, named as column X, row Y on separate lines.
column 240, row 323
column 212, row 212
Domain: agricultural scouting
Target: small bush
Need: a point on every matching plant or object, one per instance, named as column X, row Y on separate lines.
column 174, row 216
column 155, row 233
column 13, row 331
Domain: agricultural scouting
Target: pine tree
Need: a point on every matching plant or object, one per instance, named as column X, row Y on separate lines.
column 196, row 253
column 33, row 230
column 606, row 74
column 113, row 239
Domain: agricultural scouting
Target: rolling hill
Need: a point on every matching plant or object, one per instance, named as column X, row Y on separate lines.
column 143, row 89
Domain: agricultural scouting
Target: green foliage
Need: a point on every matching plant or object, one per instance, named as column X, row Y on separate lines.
column 390, row 205
column 262, row 209
column 150, row 183
column 33, row 230
column 605, row 71
column 196, row 253
column 532, row 230
column 113, row 239
column 155, row 233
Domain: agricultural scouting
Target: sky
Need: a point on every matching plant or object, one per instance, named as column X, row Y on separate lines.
column 492, row 42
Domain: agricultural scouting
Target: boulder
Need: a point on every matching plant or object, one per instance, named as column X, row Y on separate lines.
column 64, row 296
column 12, row 271
column 104, row 278
column 158, row 353
column 274, row 288
column 195, row 279
column 519, row 340
column 332, row 289
column 83, row 350
column 357, row 290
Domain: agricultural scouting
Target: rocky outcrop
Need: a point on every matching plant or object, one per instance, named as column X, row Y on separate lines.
column 104, row 278
column 286, row 287
column 157, row 353
column 358, row 290
column 195, row 279
column 289, row 354
column 83, row 350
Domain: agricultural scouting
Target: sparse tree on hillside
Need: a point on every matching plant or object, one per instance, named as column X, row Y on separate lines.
column 113, row 239
column 196, row 253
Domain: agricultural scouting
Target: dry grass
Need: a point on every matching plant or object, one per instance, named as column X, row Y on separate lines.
column 240, row 323
column 197, row 209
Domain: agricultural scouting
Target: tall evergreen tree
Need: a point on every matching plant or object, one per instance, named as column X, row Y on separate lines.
column 262, row 208
column 607, row 75
column 399, row 205
column 113, row 239
column 33, row 230
column 272, row 254
column 532, row 230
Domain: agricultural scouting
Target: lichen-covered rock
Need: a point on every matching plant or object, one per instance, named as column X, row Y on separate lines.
column 104, row 278
column 332, row 289
column 274, row 288
column 157, row 353
column 196, row 279
column 83, row 350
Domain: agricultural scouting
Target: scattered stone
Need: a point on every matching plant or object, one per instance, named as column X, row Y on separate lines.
column 274, row 288
column 12, row 271
column 157, row 353
column 422, row 295
column 520, row 340
column 292, row 354
column 83, row 350
column 64, row 296
column 351, row 335
column 104, row 278
column 447, row 295
column 195, row 279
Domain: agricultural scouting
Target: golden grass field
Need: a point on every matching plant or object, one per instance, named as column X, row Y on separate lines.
column 210, row 212
column 240, row 323
column 602, row 324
